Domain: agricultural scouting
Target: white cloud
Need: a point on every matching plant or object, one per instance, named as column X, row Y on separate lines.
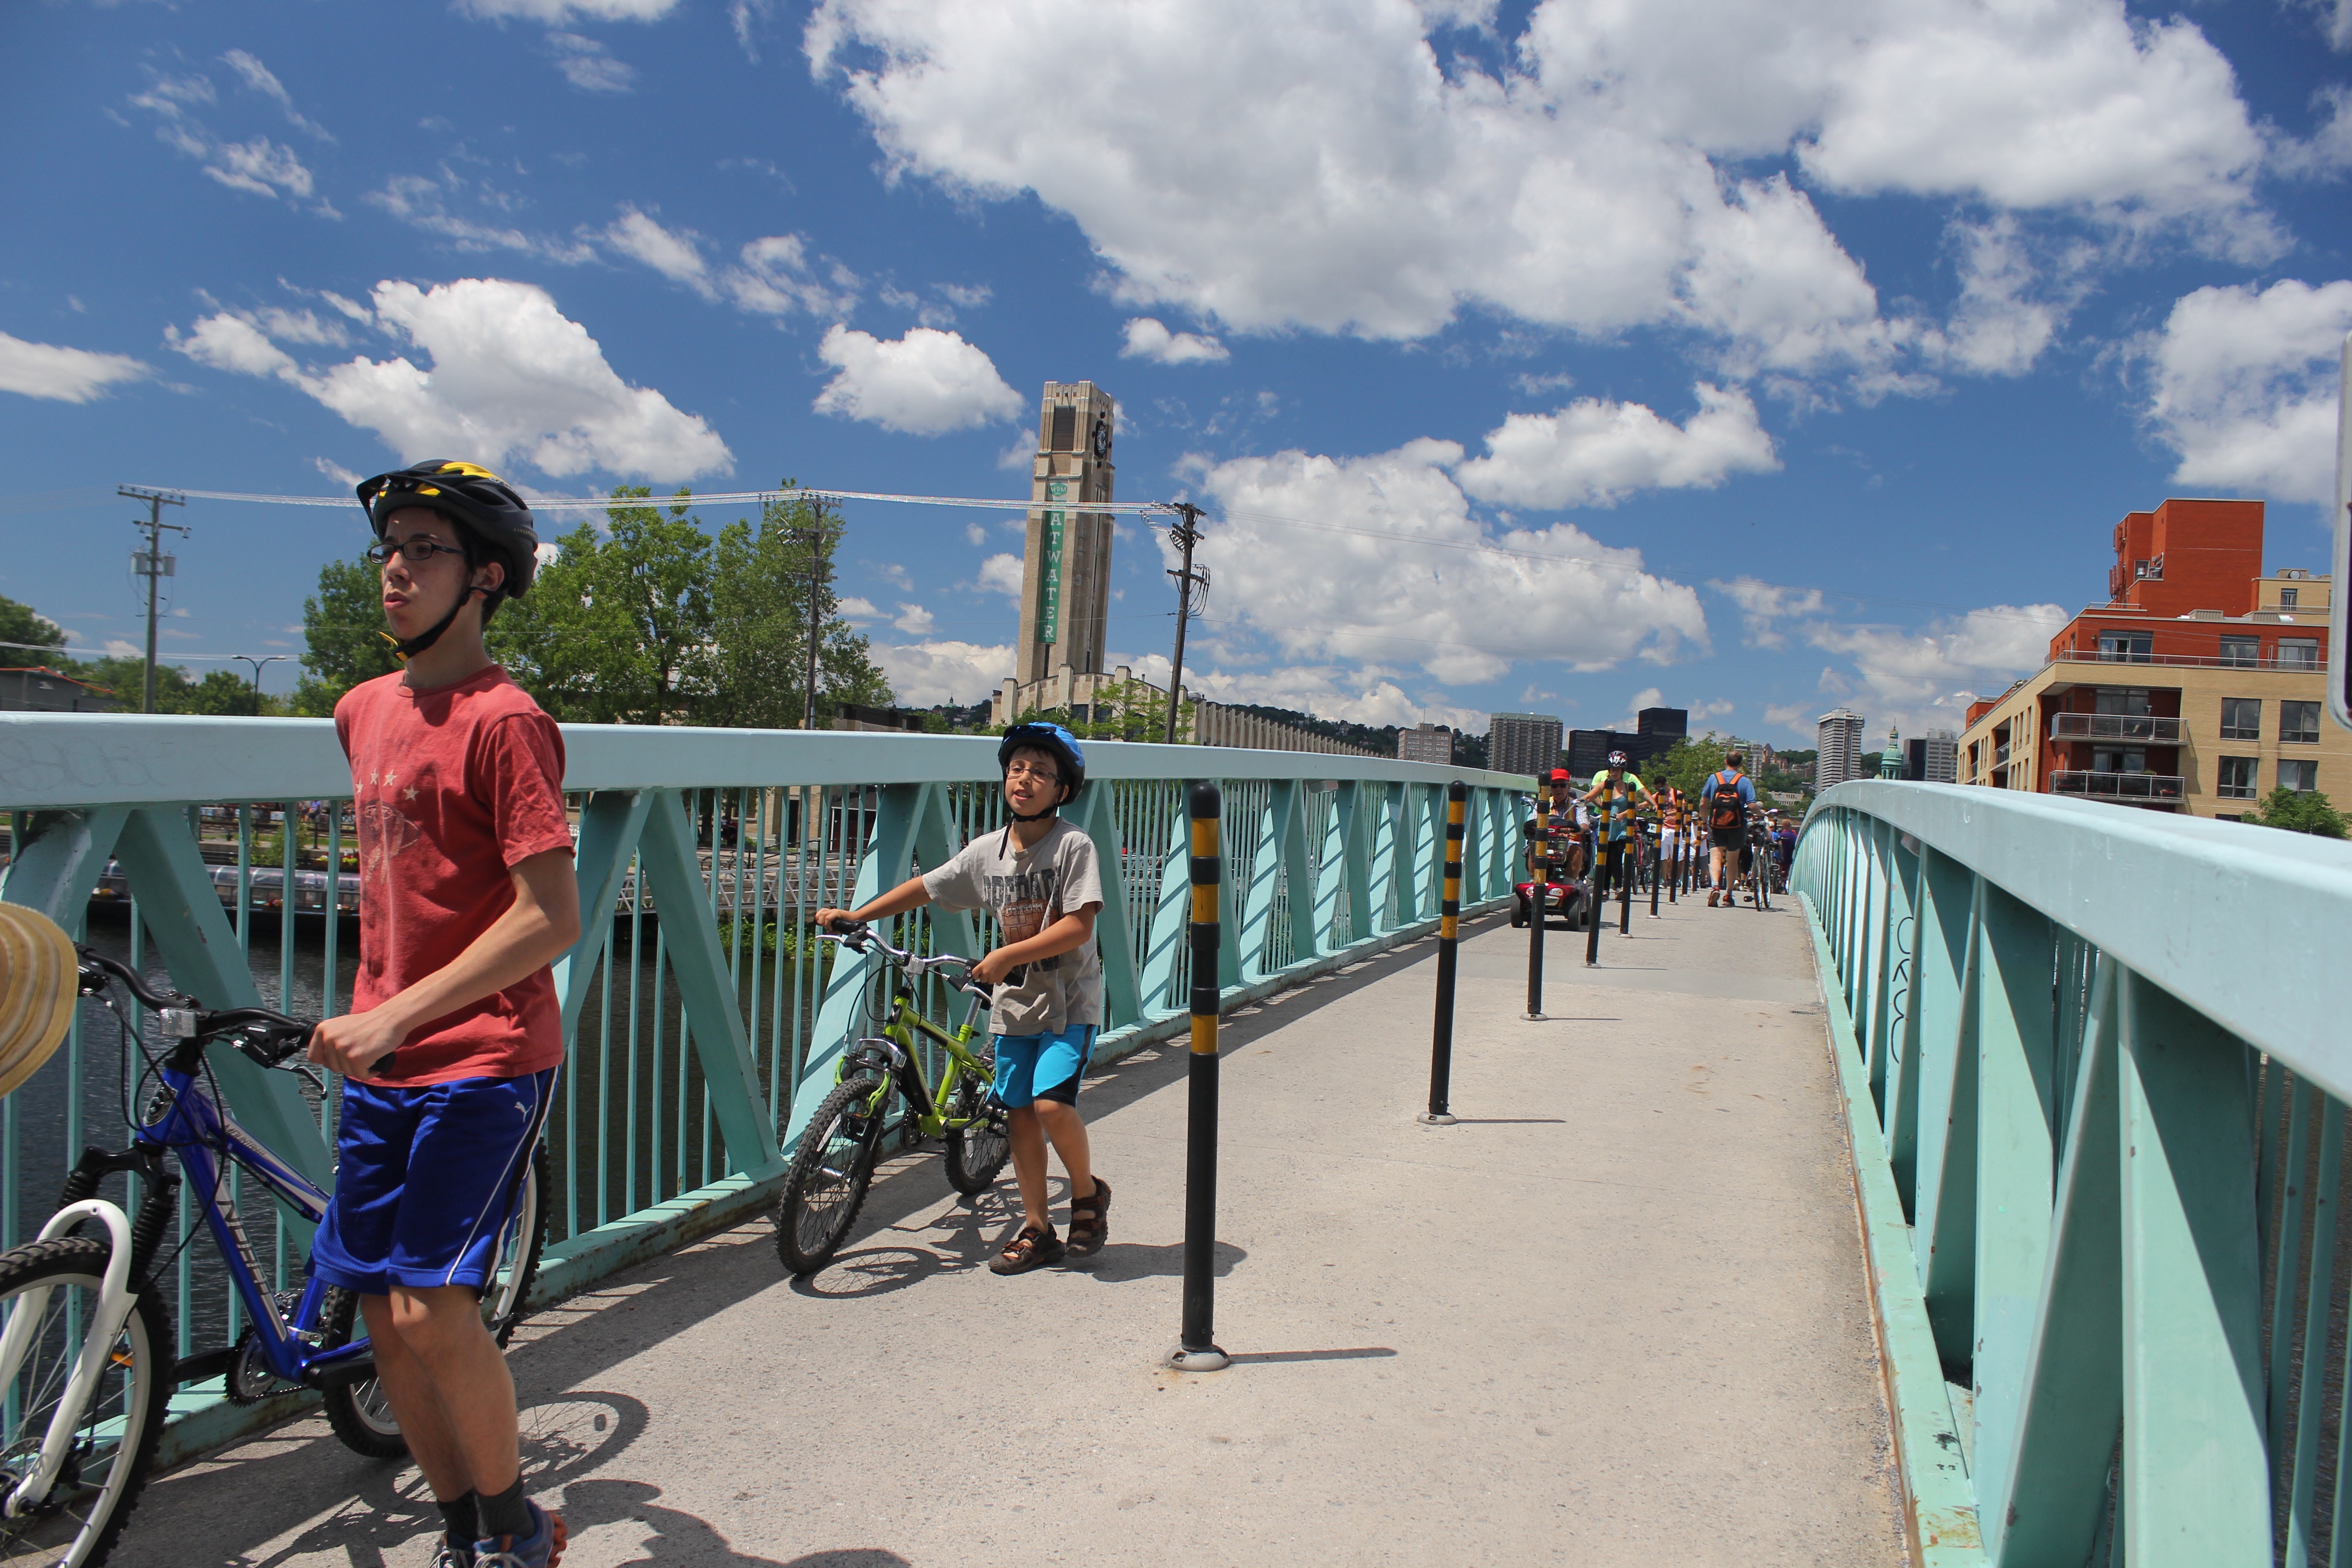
column 261, row 166
column 2245, row 386
column 61, row 373
column 1002, row 571
column 857, row 608
column 925, row 384
column 1328, row 168
column 1352, row 694
column 1763, row 604
column 913, row 619
column 1422, row 582
column 926, row 674
column 556, row 13
column 675, row 255
column 775, row 277
column 975, row 533
column 509, row 376
column 1146, row 339
column 1923, row 680
column 588, row 65
column 1593, row 453
column 430, row 204
column 2004, row 317
column 262, row 80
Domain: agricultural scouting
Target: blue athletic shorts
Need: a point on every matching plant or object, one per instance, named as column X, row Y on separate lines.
column 425, row 1179
column 1031, row 1068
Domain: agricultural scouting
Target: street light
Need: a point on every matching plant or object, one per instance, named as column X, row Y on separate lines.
column 257, row 663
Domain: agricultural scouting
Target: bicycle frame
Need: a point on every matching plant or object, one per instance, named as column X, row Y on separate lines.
column 901, row 1065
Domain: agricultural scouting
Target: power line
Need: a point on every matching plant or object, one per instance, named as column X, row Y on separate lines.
column 714, row 498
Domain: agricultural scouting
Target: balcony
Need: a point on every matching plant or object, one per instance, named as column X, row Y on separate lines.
column 2153, row 788
column 2298, row 663
column 2146, row 727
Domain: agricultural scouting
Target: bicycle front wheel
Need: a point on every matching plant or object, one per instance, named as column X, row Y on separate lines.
column 976, row 1150
column 825, row 1185
column 114, row 1434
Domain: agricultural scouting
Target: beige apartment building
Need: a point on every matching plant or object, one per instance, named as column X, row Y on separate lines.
column 2200, row 688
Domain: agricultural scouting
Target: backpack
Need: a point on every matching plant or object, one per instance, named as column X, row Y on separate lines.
column 1728, row 815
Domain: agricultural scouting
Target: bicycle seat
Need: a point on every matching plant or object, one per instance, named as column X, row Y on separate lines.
column 40, row 979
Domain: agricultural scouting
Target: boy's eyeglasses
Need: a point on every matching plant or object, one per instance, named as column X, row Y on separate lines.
column 410, row 550
column 1047, row 775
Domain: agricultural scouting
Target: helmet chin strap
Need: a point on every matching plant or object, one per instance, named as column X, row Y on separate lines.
column 404, row 651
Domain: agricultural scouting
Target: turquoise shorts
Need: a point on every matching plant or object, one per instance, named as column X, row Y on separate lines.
column 1031, row 1068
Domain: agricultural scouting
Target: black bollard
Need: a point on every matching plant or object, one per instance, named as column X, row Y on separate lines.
column 1657, row 875
column 1449, row 944
column 1592, row 916
column 1540, row 881
column 1197, row 1350
column 1624, row 889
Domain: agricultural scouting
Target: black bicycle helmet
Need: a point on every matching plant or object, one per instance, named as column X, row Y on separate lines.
column 492, row 520
column 1062, row 744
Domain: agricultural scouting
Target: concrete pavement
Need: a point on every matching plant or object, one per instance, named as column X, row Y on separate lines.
column 1617, row 1315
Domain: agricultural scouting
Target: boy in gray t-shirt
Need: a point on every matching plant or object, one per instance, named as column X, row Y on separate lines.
column 1040, row 878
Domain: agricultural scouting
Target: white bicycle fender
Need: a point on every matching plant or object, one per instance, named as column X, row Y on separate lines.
column 114, row 1304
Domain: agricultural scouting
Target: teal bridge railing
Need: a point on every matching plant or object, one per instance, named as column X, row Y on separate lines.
column 702, row 1023
column 2095, row 1074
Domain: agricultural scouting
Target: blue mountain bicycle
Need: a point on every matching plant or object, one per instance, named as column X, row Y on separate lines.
column 87, row 1360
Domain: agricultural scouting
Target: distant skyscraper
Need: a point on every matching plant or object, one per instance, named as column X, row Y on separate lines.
column 1425, row 743
column 1838, row 757
column 1932, row 758
column 1525, row 743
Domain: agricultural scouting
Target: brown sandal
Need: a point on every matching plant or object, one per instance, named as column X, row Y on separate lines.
column 1033, row 1248
column 1090, row 1221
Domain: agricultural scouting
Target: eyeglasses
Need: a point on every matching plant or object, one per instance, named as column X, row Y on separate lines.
column 1046, row 774
column 410, row 550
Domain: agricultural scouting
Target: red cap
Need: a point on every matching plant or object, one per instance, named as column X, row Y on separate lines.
column 1560, row 775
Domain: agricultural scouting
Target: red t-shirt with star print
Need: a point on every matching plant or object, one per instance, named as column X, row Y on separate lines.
column 452, row 786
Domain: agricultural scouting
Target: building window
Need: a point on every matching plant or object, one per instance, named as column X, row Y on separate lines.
column 2287, row 598
column 2238, row 777
column 2242, row 717
column 2131, row 701
column 2298, row 653
column 2126, row 647
column 2299, row 722
column 2243, row 651
column 2302, row 777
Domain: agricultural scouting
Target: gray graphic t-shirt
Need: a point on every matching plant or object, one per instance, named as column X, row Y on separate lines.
column 1027, row 890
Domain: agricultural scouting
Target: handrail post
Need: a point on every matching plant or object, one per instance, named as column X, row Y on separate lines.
column 1196, row 1350
column 1449, row 921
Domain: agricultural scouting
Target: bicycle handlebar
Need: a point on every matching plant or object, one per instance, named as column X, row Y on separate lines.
column 266, row 1038
column 857, row 936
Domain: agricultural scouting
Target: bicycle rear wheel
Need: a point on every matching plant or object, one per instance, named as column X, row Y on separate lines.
column 825, row 1185
column 114, row 1438
column 976, row 1152
column 360, row 1413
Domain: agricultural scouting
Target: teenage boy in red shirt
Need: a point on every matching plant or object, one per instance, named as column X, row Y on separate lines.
column 450, row 1049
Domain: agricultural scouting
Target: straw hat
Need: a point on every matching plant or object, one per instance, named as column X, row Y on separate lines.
column 39, row 980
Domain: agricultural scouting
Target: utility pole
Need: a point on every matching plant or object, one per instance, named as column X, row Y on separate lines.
column 1186, row 532
column 816, row 537
column 153, row 563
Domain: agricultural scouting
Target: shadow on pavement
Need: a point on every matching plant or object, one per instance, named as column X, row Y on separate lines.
column 680, row 1537
column 1368, row 1353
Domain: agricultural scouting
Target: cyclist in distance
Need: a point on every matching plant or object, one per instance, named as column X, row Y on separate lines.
column 1041, row 881
column 1672, row 809
column 1615, row 792
column 466, row 895
column 1724, row 801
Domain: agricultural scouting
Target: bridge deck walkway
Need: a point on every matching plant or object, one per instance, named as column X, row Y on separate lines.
column 1616, row 1316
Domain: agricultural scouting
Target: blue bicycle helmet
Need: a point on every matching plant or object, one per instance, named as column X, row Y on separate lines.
column 1066, row 754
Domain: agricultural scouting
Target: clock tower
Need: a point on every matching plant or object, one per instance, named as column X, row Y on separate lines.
column 1066, row 573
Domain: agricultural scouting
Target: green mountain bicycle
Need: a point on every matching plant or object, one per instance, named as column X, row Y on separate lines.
column 825, row 1184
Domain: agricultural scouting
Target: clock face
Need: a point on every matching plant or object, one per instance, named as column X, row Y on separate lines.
column 1102, row 437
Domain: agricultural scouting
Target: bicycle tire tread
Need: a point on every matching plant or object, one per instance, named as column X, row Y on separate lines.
column 61, row 1253
column 843, row 1095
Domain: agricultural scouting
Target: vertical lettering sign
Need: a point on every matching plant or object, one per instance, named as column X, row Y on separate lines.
column 1049, row 572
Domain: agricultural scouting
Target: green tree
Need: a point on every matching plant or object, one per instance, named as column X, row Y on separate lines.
column 1130, row 709
column 761, row 603
column 20, row 624
column 343, row 634
column 2299, row 811
column 1686, row 765
column 219, row 693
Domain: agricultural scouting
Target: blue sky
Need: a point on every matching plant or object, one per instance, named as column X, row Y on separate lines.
column 1569, row 357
